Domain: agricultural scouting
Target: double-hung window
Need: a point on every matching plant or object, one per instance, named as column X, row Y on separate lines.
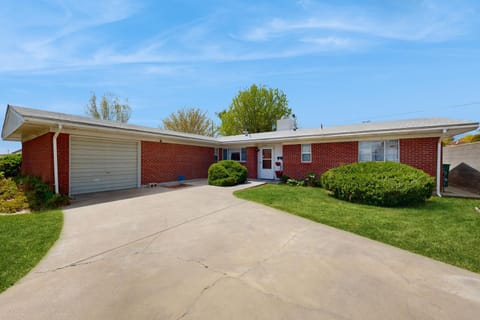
column 306, row 152
column 386, row 150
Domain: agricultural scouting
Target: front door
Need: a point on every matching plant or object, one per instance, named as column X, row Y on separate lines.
column 266, row 164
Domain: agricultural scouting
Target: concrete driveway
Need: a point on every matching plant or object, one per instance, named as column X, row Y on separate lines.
column 201, row 253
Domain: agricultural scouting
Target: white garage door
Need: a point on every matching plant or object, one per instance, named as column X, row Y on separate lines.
column 100, row 165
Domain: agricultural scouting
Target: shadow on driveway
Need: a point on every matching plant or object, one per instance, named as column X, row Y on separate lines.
column 87, row 199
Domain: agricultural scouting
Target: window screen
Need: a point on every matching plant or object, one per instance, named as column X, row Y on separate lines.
column 306, row 152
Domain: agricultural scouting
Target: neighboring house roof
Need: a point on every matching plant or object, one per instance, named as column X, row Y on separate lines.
column 22, row 124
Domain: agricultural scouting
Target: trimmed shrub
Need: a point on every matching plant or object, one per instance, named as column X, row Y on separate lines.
column 10, row 165
column 11, row 199
column 39, row 194
column 387, row 184
column 284, row 179
column 227, row 173
column 312, row 180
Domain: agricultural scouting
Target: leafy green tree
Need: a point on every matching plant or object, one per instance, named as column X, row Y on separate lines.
column 256, row 109
column 110, row 108
column 190, row 120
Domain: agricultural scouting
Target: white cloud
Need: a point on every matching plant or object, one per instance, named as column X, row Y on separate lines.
column 426, row 22
column 54, row 33
column 278, row 27
column 329, row 41
column 68, row 39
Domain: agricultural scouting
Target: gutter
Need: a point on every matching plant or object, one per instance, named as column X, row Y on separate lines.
column 128, row 128
column 368, row 133
column 439, row 164
column 55, row 159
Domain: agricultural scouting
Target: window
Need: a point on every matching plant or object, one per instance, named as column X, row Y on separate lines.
column 378, row 151
column 215, row 155
column 306, row 152
column 267, row 158
column 235, row 154
column 243, row 154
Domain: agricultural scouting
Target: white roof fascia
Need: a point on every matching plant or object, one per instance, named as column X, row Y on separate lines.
column 434, row 132
column 431, row 127
column 69, row 125
column 11, row 123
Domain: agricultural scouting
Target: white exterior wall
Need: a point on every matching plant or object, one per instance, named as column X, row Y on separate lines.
column 468, row 153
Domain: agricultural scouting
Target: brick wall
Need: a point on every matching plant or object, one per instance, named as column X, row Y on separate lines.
column 420, row 153
column 324, row 156
column 37, row 159
column 252, row 162
column 163, row 162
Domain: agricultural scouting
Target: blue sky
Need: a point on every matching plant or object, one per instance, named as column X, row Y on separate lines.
column 339, row 62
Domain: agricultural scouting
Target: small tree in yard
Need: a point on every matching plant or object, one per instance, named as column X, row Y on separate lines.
column 110, row 108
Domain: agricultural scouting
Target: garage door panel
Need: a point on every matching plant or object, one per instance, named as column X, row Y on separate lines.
column 108, row 179
column 106, row 170
column 89, row 153
column 100, row 165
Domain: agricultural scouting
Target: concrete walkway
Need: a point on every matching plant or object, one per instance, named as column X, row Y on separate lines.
column 201, row 253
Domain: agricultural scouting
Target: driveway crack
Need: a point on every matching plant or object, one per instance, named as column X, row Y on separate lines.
column 205, row 289
column 154, row 235
column 289, row 240
column 264, row 292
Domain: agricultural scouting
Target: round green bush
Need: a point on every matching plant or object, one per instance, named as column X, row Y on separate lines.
column 226, row 173
column 387, row 184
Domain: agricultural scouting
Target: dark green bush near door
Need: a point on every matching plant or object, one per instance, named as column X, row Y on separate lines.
column 387, row 184
column 227, row 173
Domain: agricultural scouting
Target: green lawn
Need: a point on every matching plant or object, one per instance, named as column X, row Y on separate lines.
column 24, row 240
column 446, row 229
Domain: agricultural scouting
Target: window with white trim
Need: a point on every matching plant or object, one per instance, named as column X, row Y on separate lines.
column 235, row 154
column 215, row 154
column 386, row 150
column 306, row 152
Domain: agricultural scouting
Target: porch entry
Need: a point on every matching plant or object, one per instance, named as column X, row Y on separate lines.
column 266, row 159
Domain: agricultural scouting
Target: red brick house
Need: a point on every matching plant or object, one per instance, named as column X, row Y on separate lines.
column 79, row 155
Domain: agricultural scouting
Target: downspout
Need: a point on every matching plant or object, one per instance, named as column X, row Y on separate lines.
column 439, row 164
column 55, row 158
